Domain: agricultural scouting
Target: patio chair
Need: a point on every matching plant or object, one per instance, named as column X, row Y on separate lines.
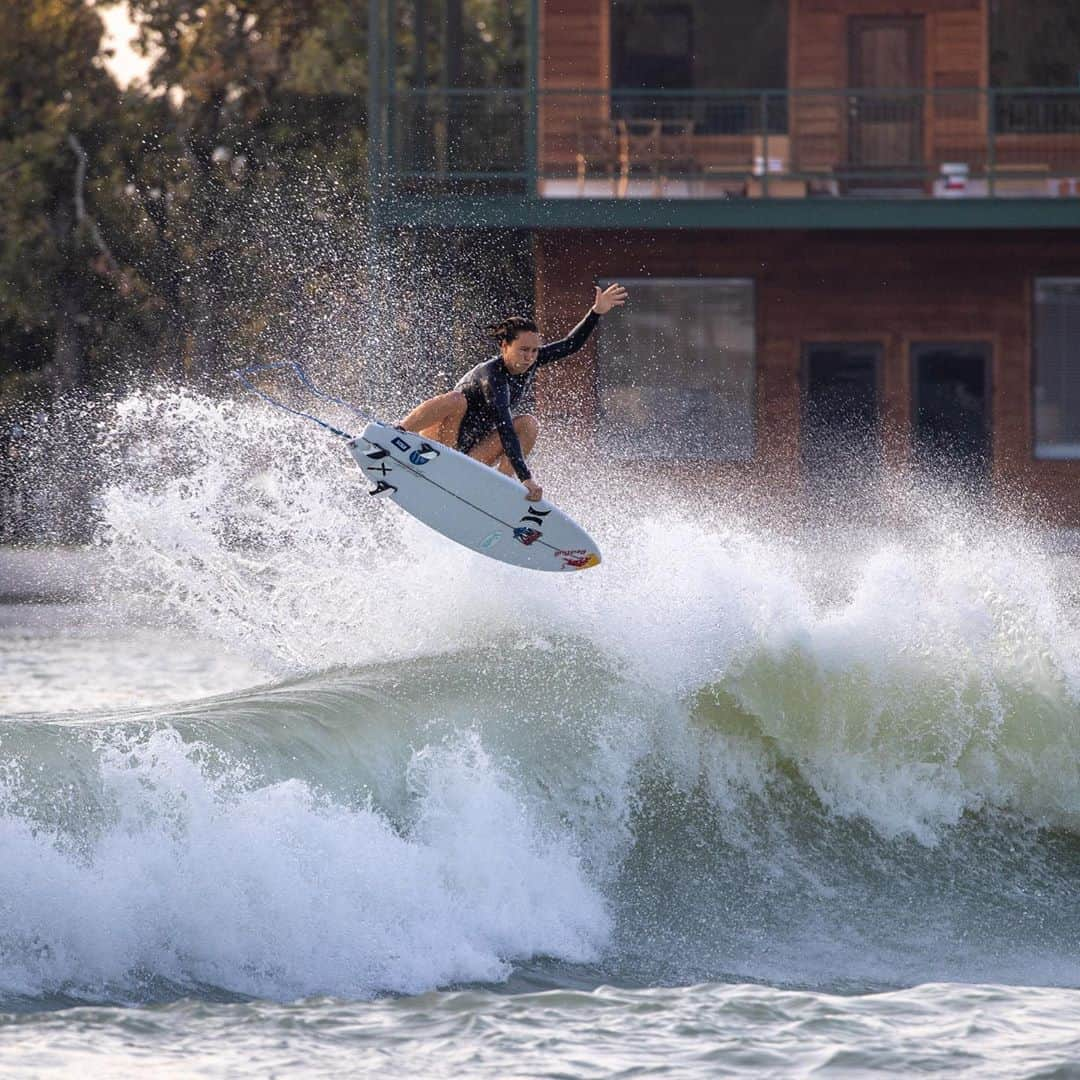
column 603, row 145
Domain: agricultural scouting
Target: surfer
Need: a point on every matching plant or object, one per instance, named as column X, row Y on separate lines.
column 478, row 416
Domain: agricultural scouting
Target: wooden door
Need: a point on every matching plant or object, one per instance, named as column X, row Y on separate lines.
column 841, row 412
column 885, row 125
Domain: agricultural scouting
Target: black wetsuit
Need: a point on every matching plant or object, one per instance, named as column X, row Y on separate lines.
column 493, row 393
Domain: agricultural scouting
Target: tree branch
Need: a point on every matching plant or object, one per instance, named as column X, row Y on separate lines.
column 81, row 217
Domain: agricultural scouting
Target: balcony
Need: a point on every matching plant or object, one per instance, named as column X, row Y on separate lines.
column 792, row 158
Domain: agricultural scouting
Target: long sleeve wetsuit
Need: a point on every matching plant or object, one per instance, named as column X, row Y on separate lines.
column 493, row 393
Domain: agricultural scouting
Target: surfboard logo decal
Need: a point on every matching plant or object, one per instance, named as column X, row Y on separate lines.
column 579, row 559
column 401, row 444
column 523, row 534
column 490, row 540
column 425, row 454
column 536, row 517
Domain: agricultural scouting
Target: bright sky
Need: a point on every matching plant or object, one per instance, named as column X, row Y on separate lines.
column 126, row 65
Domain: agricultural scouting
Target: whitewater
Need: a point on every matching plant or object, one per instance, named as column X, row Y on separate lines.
column 298, row 785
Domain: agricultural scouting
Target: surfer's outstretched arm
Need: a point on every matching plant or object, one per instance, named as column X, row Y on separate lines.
column 606, row 299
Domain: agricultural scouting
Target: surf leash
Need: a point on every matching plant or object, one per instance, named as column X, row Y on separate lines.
column 305, row 381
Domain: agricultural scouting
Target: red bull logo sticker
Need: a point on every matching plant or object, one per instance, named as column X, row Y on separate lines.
column 579, row 559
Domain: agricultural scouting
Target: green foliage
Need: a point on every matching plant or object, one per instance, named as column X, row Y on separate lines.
column 54, row 89
column 162, row 228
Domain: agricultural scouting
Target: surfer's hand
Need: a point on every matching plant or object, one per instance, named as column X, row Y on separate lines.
column 535, row 491
column 612, row 296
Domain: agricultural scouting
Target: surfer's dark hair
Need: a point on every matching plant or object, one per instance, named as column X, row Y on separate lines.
column 508, row 329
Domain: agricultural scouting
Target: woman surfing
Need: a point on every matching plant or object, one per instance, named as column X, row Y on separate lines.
column 479, row 418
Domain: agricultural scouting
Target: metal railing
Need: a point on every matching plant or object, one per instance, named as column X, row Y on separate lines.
column 902, row 143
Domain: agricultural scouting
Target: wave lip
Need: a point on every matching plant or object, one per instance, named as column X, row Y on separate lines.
column 946, row 683
column 740, row 750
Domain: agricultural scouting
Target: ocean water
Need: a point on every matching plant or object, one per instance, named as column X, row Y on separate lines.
column 299, row 787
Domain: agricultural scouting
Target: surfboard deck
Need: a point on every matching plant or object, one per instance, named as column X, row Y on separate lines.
column 470, row 502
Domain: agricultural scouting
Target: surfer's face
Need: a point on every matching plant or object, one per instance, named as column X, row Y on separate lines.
column 520, row 354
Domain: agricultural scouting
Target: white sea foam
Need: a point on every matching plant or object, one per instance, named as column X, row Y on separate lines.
column 470, row 766
column 912, row 671
column 192, row 872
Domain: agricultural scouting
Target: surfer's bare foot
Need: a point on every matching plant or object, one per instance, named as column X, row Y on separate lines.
column 533, row 490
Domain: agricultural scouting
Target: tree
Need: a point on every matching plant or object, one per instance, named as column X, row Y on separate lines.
column 261, row 116
column 173, row 228
column 60, row 282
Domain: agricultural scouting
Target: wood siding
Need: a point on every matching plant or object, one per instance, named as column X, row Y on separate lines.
column 955, row 48
column 893, row 288
column 575, row 54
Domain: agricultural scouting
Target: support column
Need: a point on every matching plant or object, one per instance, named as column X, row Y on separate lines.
column 532, row 98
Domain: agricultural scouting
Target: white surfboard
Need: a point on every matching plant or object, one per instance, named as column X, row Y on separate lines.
column 470, row 502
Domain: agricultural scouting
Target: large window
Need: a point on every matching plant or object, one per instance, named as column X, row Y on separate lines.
column 702, row 44
column 1057, row 368
column 677, row 370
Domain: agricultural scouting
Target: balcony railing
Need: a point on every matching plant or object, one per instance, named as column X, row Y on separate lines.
column 882, row 144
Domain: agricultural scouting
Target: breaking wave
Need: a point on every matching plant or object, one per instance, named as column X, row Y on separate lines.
column 834, row 756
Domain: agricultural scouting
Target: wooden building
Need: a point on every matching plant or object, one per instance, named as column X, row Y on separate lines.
column 847, row 245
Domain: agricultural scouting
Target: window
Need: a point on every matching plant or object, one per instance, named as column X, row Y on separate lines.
column 677, row 370
column 950, row 383
column 654, row 48
column 1034, row 43
column 1057, row 368
column 702, row 44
